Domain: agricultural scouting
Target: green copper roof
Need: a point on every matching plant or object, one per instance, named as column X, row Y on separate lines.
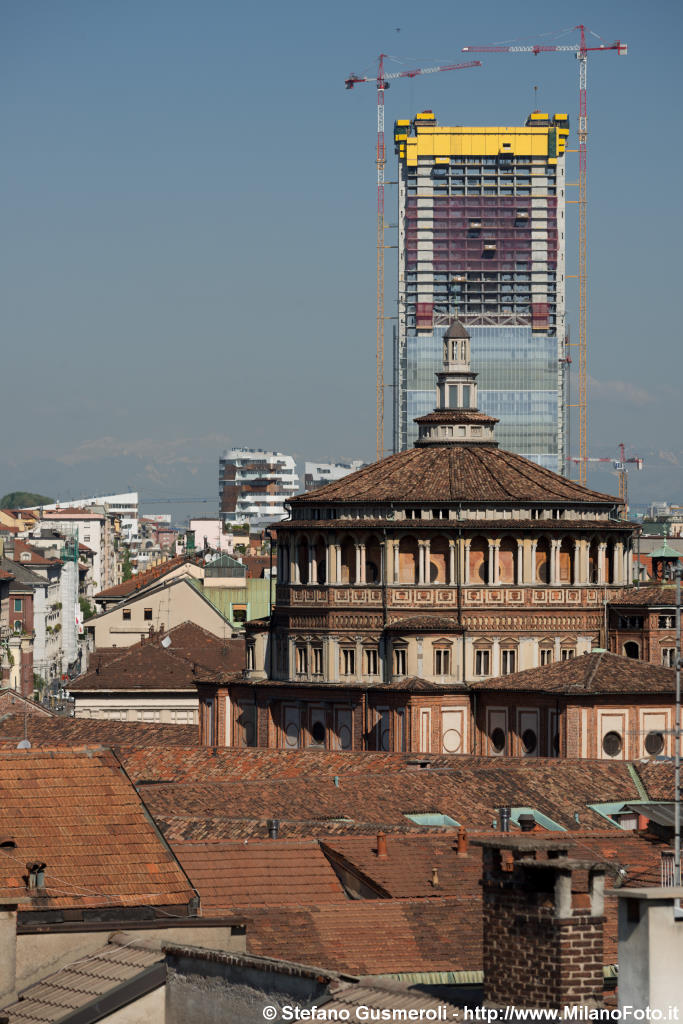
column 665, row 552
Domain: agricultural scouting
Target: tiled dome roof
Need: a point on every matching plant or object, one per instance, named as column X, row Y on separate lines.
column 453, row 473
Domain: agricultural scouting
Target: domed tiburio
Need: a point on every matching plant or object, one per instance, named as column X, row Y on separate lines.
column 404, row 585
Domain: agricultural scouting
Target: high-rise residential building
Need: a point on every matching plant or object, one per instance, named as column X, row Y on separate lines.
column 481, row 221
column 253, row 485
column 317, row 474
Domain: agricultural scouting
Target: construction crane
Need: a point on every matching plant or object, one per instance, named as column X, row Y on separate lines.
column 620, row 466
column 581, row 51
column 381, row 80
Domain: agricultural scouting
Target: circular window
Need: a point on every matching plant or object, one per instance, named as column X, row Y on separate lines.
column 345, row 737
column 292, row 735
column 611, row 744
column 654, row 743
column 318, row 732
column 452, row 741
column 498, row 740
column 529, row 741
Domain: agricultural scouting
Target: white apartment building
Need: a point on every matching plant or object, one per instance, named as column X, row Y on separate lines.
column 316, row 474
column 96, row 531
column 253, row 485
column 125, row 507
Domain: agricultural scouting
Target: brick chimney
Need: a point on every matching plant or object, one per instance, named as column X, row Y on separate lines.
column 543, row 915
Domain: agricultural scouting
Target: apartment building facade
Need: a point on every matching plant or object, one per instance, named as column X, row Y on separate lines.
column 253, row 485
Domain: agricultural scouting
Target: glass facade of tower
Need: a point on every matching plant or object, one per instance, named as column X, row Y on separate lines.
column 481, row 237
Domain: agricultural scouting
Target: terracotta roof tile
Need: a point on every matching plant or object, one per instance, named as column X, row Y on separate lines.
column 194, row 654
column 144, row 579
column 12, row 703
column 261, row 872
column 77, row 812
column 244, row 788
column 442, row 933
column 658, row 779
column 372, row 937
column 586, row 675
column 448, row 473
column 656, row 594
column 58, row 731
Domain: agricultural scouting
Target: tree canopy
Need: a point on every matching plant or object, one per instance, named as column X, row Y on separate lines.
column 24, row 499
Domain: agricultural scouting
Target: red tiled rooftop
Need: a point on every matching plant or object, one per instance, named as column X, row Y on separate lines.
column 246, row 789
column 193, row 655
column 260, row 872
column 657, row 594
column 372, row 937
column 35, row 556
column 143, row 579
column 13, row 703
column 598, row 672
column 58, row 731
column 77, row 812
column 447, row 473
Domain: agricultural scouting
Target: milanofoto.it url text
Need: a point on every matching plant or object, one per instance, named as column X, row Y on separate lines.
column 480, row 1014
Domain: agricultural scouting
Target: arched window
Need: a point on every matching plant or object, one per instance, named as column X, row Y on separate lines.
column 632, row 649
column 302, row 559
column 408, row 560
column 373, row 560
column 507, row 560
column 609, row 562
column 320, row 560
column 479, row 560
column 542, row 567
column 566, row 561
column 593, row 562
column 438, row 560
column 348, row 561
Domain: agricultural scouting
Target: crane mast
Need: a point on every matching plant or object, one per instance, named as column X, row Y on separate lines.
column 581, row 51
column 381, row 80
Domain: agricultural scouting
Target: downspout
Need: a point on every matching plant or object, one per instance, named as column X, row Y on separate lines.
column 386, row 675
column 475, row 728
column 458, row 573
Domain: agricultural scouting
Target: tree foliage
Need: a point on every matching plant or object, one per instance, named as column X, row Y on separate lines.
column 24, row 499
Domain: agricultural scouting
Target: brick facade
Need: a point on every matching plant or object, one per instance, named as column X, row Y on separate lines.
column 543, row 928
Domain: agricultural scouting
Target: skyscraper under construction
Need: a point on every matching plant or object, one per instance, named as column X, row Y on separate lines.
column 482, row 236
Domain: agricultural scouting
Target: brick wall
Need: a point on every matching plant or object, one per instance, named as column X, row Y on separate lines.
column 543, row 941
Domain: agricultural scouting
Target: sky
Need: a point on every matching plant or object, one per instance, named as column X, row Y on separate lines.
column 187, row 214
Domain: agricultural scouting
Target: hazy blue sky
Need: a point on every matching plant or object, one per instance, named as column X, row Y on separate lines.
column 187, row 214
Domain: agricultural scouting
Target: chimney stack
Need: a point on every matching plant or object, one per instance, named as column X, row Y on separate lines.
column 381, row 845
column 462, row 843
column 543, row 925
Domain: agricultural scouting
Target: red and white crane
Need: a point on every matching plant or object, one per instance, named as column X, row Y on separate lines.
column 620, row 466
column 381, row 81
column 581, row 51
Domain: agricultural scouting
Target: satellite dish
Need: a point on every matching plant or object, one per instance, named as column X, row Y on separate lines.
column 24, row 745
column 166, row 642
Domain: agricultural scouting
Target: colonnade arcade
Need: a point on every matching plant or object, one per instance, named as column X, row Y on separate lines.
column 358, row 559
